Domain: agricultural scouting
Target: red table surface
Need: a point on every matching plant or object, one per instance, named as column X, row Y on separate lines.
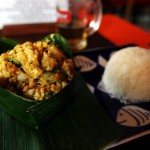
column 122, row 32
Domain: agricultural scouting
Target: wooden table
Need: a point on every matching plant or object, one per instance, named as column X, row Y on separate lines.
column 23, row 33
column 105, row 37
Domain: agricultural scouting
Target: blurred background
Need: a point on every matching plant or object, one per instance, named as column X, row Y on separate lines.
column 135, row 11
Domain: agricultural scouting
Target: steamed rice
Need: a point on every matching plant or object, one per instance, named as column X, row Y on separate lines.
column 127, row 75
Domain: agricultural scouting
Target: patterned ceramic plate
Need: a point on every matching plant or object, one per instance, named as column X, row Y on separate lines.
column 132, row 119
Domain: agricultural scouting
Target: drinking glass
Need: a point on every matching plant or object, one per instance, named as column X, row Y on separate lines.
column 77, row 20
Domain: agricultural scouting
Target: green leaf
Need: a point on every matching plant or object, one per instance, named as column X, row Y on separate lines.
column 6, row 44
column 15, row 62
column 16, row 106
column 80, row 125
column 61, row 42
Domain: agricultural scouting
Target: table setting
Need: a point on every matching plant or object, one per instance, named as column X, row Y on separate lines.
column 83, row 114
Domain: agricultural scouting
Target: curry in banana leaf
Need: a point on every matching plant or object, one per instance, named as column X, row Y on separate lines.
column 55, row 85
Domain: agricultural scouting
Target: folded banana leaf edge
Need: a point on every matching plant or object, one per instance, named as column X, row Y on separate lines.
column 75, row 121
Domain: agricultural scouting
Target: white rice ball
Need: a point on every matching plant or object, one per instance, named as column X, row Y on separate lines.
column 127, row 75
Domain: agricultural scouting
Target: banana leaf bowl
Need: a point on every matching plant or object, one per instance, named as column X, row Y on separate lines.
column 73, row 119
column 31, row 112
